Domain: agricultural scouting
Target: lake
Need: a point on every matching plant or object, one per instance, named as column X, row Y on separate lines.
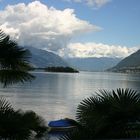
column 56, row 95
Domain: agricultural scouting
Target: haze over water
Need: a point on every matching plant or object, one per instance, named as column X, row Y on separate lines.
column 56, row 95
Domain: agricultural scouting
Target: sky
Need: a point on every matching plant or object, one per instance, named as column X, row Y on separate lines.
column 74, row 28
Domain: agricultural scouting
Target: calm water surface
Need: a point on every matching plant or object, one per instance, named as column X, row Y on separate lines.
column 56, row 95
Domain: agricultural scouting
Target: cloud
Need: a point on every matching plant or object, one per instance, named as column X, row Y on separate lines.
column 97, row 3
column 93, row 3
column 37, row 25
column 97, row 50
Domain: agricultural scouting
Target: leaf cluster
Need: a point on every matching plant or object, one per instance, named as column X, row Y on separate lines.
column 19, row 125
column 14, row 61
column 108, row 115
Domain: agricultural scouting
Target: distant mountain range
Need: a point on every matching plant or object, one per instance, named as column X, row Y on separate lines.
column 41, row 58
column 128, row 64
column 93, row 64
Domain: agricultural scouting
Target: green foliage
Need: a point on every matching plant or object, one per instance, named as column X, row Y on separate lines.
column 8, row 77
column 13, row 59
column 108, row 115
column 5, row 105
column 14, row 66
column 111, row 114
column 61, row 69
column 77, row 135
column 19, row 125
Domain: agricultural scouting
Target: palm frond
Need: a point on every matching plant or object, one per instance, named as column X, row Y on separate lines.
column 35, row 123
column 119, row 108
column 81, row 134
column 12, row 56
column 8, row 77
column 14, row 62
column 5, row 105
column 19, row 125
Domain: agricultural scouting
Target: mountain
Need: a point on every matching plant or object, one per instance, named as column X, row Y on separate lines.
column 93, row 64
column 128, row 64
column 41, row 58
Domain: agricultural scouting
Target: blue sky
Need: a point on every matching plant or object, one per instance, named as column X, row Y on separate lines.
column 119, row 20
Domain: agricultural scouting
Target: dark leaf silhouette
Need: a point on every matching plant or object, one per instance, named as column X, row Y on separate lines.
column 19, row 125
column 14, row 62
column 108, row 115
column 111, row 114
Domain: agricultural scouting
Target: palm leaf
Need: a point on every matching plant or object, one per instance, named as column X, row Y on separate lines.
column 8, row 77
column 5, row 105
column 81, row 134
column 19, row 125
column 12, row 56
column 14, row 62
column 119, row 108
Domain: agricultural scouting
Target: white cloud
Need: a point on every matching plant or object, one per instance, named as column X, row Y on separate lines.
column 96, row 50
column 39, row 26
column 97, row 3
column 92, row 3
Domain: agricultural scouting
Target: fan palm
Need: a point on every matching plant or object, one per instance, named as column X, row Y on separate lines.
column 79, row 134
column 14, row 64
column 111, row 114
column 19, row 125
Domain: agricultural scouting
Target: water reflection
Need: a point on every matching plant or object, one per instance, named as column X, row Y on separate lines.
column 56, row 95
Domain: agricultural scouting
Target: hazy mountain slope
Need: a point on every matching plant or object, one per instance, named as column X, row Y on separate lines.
column 129, row 63
column 93, row 64
column 41, row 58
